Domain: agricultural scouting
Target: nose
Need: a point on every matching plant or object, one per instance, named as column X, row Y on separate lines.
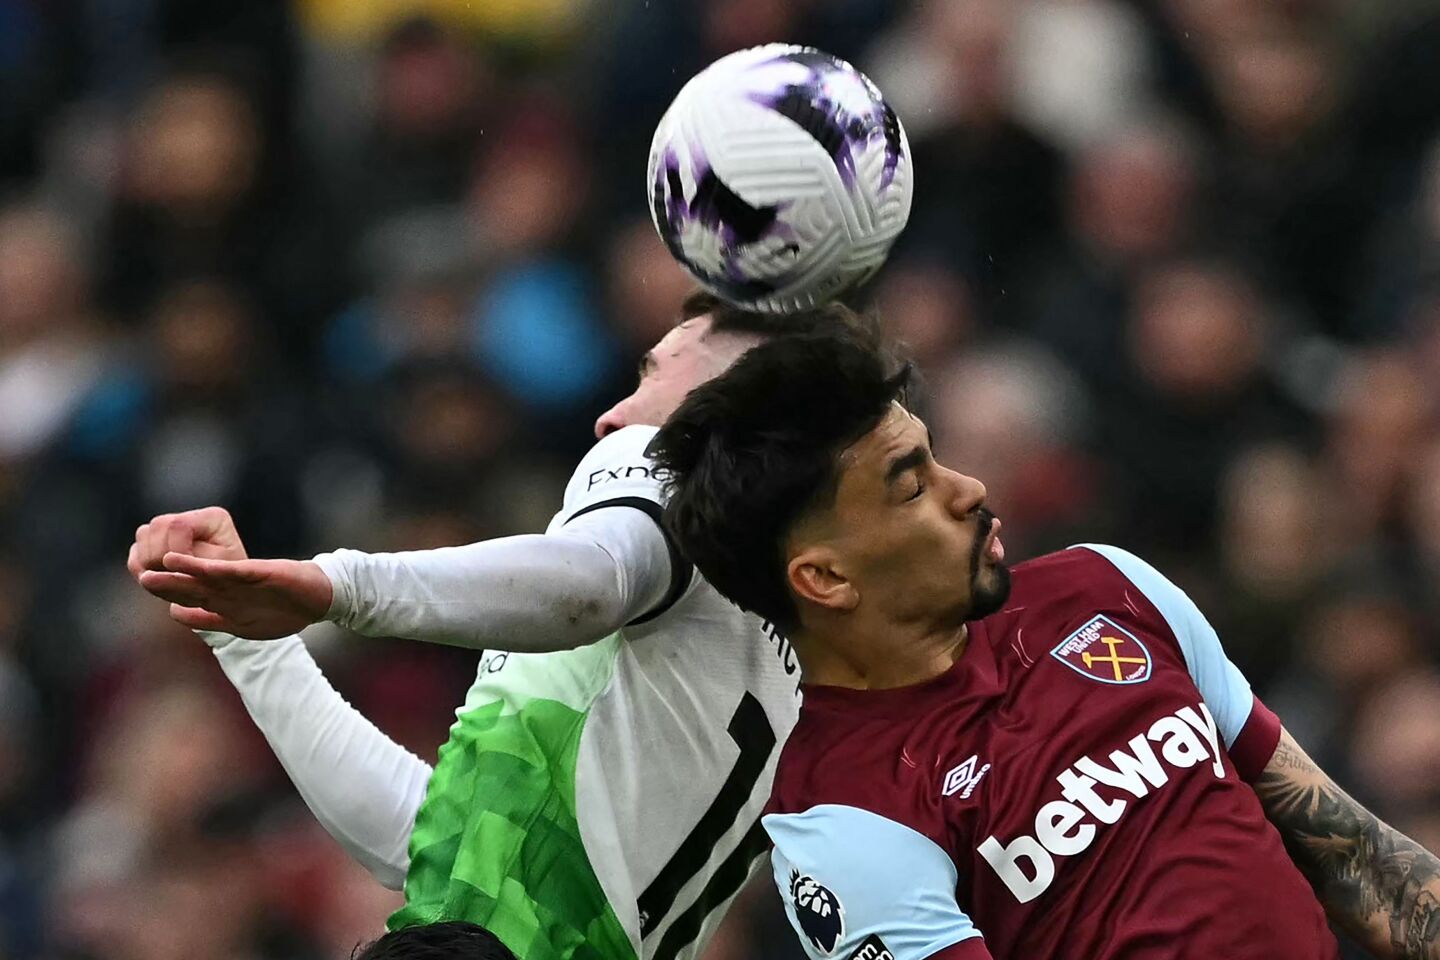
column 969, row 493
column 610, row 421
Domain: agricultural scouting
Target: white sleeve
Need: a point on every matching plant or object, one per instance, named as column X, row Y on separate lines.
column 364, row 788
column 858, row 885
column 617, row 470
column 1225, row 690
column 605, row 562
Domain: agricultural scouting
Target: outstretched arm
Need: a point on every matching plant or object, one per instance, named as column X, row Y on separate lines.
column 364, row 788
column 529, row 593
column 1377, row 884
column 604, row 563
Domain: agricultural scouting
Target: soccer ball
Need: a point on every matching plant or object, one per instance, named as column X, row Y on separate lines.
column 779, row 177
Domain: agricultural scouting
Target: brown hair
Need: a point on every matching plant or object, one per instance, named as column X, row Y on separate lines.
column 728, row 318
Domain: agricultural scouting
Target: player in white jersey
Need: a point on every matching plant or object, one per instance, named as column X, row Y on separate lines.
column 600, row 792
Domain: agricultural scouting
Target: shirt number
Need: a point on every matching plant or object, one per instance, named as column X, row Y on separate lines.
column 753, row 734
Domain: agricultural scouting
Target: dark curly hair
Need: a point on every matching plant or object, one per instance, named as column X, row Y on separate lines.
column 451, row 940
column 752, row 450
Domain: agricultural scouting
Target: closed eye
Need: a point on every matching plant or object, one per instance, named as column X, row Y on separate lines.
column 646, row 366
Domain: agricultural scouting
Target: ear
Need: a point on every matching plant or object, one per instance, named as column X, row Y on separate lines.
column 816, row 575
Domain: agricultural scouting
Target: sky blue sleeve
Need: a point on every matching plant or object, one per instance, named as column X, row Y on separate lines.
column 856, row 884
column 1224, row 687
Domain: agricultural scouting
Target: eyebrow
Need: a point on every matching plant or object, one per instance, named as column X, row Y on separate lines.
column 647, row 362
column 901, row 464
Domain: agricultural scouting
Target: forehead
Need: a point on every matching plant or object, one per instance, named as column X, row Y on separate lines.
column 863, row 464
column 683, row 338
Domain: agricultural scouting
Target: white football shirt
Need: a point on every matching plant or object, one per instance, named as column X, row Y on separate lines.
column 609, row 796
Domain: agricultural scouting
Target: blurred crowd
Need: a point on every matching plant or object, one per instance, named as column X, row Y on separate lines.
column 365, row 272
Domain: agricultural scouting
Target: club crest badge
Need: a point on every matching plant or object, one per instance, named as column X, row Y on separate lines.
column 1104, row 651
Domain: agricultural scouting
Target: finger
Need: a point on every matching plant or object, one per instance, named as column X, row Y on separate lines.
column 151, row 537
column 176, row 587
column 187, row 564
column 147, row 557
column 210, row 524
column 179, row 536
column 198, row 567
column 215, row 571
column 198, row 619
column 132, row 561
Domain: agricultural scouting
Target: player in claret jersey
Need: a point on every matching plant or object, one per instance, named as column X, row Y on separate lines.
column 1054, row 761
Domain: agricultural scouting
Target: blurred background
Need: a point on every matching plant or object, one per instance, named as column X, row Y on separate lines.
column 364, row 271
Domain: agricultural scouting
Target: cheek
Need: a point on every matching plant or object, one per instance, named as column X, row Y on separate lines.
column 663, row 399
column 918, row 552
column 649, row 405
column 949, row 549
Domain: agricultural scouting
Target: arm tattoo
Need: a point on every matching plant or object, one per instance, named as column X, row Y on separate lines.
column 1378, row 884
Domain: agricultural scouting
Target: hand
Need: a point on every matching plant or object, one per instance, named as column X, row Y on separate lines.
column 209, row 532
column 255, row 599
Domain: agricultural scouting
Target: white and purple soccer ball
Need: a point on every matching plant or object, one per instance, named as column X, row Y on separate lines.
column 780, row 177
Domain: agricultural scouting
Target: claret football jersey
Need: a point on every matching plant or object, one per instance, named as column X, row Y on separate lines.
column 1076, row 786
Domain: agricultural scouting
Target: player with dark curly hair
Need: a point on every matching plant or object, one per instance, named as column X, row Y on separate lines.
column 1050, row 760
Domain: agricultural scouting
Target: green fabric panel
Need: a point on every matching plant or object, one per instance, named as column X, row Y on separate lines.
column 497, row 842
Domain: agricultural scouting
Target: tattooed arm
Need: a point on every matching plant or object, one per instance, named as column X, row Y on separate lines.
column 1377, row 884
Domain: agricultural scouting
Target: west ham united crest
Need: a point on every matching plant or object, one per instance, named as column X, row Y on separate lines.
column 1103, row 651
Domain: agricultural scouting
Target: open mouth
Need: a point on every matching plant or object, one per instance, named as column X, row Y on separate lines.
column 994, row 549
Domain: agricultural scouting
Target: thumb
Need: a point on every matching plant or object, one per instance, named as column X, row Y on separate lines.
column 299, row 582
column 217, row 571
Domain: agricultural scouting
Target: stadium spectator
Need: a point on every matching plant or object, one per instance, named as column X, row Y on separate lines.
column 312, row 260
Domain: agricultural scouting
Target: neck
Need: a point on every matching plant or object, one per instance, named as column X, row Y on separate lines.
column 871, row 658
